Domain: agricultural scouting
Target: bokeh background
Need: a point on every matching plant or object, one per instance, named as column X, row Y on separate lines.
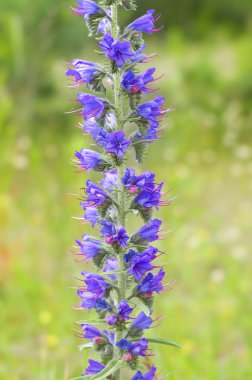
column 205, row 154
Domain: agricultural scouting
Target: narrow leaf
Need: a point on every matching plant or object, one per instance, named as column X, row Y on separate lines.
column 142, row 307
column 110, row 368
column 85, row 346
column 91, row 321
column 164, row 341
column 108, row 273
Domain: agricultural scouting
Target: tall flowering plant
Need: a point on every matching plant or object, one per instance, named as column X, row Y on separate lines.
column 122, row 290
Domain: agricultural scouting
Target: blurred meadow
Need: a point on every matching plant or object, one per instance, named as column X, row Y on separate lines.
column 204, row 155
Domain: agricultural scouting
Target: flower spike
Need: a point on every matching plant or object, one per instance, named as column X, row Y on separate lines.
column 121, row 291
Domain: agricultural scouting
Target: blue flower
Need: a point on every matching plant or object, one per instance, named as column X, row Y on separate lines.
column 117, row 51
column 150, row 375
column 89, row 247
column 113, row 235
column 137, row 83
column 96, row 196
column 139, row 265
column 124, row 310
column 108, row 228
column 110, row 180
column 144, row 181
column 124, row 344
column 86, row 8
column 139, row 348
column 94, row 367
column 142, row 321
column 152, row 283
column 111, row 319
column 148, row 232
column 93, row 106
column 151, row 110
column 149, row 198
column 115, row 142
column 90, row 300
column 144, row 23
column 83, row 71
column 104, row 26
column 95, row 284
column 92, row 127
column 121, row 237
column 130, row 255
column 90, row 332
column 89, row 159
column 91, row 214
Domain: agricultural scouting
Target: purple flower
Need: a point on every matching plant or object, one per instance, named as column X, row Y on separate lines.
column 148, row 232
column 152, row 283
column 152, row 109
column 113, row 235
column 140, row 264
column 89, row 300
column 93, row 128
column 108, row 229
column 124, row 344
column 104, row 26
column 95, row 284
column 124, row 310
column 89, row 247
column 115, row 142
column 83, row 72
column 111, row 264
column 96, row 196
column 90, row 332
column 137, row 83
column 93, row 106
column 117, row 51
column 110, row 180
column 111, row 319
column 144, row 181
column 86, row 8
column 150, row 375
column 144, row 23
column 149, row 198
column 139, row 348
column 130, row 255
column 89, row 159
column 94, row 367
column 141, row 322
column 91, row 215
column 121, row 237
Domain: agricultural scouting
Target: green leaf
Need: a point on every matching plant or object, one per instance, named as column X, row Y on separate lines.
column 142, row 307
column 108, row 273
column 85, row 346
column 164, row 341
column 110, row 368
column 81, row 377
column 91, row 321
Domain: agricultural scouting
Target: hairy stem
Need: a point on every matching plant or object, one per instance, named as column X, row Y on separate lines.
column 118, row 102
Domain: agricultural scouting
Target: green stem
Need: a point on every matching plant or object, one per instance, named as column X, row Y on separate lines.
column 121, row 195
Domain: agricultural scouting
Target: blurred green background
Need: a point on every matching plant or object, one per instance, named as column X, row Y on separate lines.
column 205, row 156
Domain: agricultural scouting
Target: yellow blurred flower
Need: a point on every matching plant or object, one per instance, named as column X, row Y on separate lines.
column 52, row 341
column 188, row 346
column 45, row 318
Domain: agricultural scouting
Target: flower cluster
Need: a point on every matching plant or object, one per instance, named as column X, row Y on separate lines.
column 122, row 291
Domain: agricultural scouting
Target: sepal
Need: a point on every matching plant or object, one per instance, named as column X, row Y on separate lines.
column 96, row 83
column 139, row 146
column 129, row 4
column 93, row 22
